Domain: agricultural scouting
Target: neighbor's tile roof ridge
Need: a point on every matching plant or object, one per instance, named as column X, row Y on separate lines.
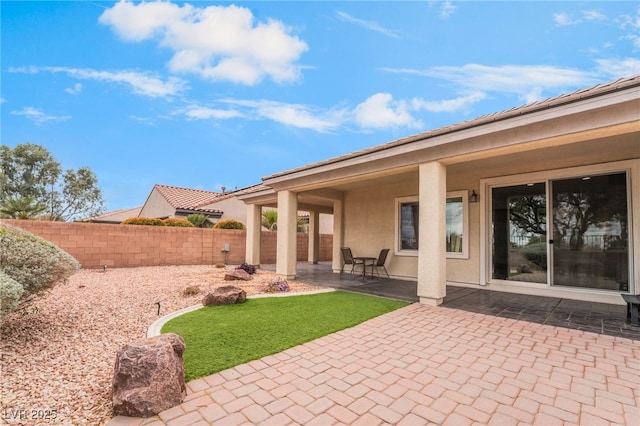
column 563, row 99
column 134, row 211
column 187, row 198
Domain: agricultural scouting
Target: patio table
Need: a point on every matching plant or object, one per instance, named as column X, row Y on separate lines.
column 364, row 260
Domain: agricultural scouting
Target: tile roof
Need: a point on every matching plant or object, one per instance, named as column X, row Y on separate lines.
column 582, row 94
column 117, row 216
column 189, row 199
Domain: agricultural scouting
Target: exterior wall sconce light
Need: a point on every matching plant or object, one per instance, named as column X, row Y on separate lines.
column 473, row 198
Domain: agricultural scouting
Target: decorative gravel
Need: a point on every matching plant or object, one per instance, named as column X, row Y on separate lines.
column 57, row 355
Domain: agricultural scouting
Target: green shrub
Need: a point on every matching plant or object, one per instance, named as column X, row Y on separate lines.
column 536, row 253
column 229, row 224
column 172, row 221
column 32, row 262
column 149, row 221
column 10, row 293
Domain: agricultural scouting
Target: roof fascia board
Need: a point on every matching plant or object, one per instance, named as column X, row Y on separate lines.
column 262, row 196
column 217, row 214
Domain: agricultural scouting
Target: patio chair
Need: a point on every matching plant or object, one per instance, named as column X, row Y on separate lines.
column 382, row 258
column 347, row 259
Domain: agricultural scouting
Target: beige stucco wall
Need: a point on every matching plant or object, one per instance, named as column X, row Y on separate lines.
column 157, row 206
column 370, row 221
column 232, row 208
column 370, row 216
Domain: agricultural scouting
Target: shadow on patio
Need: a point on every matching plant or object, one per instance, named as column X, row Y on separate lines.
column 600, row 318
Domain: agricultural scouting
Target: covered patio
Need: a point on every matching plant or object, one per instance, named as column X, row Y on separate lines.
column 592, row 317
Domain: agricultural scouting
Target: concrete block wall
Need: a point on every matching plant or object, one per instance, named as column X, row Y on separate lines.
column 96, row 245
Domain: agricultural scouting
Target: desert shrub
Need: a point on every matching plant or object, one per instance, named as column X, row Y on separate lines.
column 150, row 221
column 229, row 224
column 191, row 290
column 249, row 269
column 536, row 253
column 276, row 285
column 10, row 293
column 172, row 221
column 32, row 262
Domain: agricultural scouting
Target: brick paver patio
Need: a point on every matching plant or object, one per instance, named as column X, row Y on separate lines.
column 426, row 365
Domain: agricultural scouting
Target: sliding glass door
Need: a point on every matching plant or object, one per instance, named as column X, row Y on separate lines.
column 520, row 233
column 571, row 232
column 590, row 232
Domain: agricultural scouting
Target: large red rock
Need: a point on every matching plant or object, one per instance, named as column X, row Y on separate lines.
column 237, row 275
column 149, row 376
column 225, row 295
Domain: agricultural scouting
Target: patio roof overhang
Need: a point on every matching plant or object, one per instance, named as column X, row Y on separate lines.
column 603, row 119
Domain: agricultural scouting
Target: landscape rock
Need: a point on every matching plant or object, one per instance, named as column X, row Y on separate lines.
column 225, row 295
column 237, row 275
column 149, row 376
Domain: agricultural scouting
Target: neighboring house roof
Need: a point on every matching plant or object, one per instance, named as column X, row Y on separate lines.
column 565, row 99
column 116, row 216
column 190, row 199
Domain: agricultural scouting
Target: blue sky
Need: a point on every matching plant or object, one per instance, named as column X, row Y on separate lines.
column 208, row 94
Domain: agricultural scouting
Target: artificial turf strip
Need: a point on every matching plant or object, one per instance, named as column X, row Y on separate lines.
column 221, row 337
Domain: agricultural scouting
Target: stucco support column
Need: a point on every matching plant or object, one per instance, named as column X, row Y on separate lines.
column 432, row 261
column 338, row 234
column 314, row 237
column 254, row 232
column 286, row 254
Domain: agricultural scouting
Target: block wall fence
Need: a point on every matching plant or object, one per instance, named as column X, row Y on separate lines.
column 95, row 244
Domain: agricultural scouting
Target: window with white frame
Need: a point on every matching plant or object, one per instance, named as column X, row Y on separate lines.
column 408, row 225
column 457, row 235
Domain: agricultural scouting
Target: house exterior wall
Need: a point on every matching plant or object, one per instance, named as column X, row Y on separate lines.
column 556, row 143
column 157, row 206
column 370, row 215
column 370, row 221
column 95, row 245
column 233, row 209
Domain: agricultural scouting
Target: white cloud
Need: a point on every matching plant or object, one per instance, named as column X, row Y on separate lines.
column 143, row 120
column 617, row 68
column 593, row 15
column 144, row 84
column 205, row 113
column 296, row 115
column 77, row 88
column 447, row 9
column 448, row 105
column 369, row 25
column 529, row 82
column 380, row 111
column 632, row 23
column 215, row 42
column 563, row 19
column 38, row 117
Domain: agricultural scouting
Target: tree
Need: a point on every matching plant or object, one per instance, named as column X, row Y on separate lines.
column 197, row 219
column 29, row 170
column 21, row 208
column 270, row 219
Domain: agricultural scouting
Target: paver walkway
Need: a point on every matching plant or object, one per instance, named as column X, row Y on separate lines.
column 426, row 365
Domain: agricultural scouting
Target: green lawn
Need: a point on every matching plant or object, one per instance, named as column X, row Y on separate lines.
column 221, row 337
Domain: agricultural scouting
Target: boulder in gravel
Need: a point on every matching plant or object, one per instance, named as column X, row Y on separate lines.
column 225, row 295
column 237, row 275
column 149, row 376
